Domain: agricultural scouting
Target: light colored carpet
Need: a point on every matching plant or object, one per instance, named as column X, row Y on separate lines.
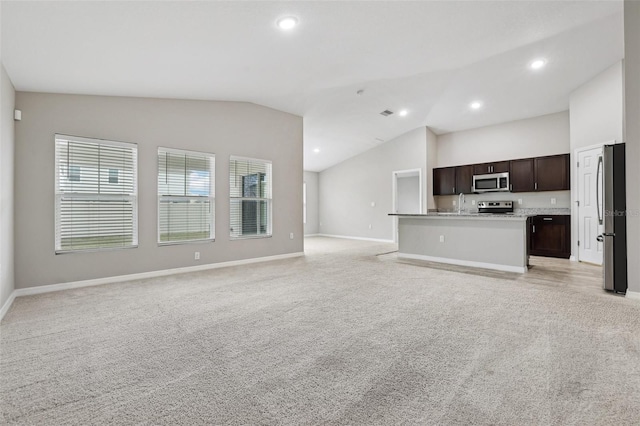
column 340, row 337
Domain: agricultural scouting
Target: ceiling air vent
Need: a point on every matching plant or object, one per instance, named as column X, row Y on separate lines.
column 386, row 113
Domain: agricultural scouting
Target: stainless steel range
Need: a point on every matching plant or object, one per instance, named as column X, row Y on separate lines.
column 495, row 206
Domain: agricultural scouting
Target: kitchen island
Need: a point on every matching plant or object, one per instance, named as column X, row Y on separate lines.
column 492, row 241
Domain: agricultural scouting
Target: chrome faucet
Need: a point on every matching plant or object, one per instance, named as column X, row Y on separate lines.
column 460, row 202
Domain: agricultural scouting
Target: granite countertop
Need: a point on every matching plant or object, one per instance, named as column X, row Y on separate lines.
column 464, row 215
column 517, row 214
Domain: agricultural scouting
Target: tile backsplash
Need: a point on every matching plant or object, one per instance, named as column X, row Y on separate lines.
column 530, row 200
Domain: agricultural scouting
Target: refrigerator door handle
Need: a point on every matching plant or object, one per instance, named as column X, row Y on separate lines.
column 598, row 190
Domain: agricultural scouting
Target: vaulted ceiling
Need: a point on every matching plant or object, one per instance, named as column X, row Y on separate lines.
column 430, row 58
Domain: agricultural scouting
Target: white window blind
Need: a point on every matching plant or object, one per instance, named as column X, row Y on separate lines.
column 186, row 202
column 250, row 203
column 96, row 194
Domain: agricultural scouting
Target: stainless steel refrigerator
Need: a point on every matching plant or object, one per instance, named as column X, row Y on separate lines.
column 612, row 215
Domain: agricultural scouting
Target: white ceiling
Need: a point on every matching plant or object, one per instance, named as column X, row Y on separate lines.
column 432, row 58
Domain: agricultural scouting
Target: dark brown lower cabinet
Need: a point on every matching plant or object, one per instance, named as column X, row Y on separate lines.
column 550, row 236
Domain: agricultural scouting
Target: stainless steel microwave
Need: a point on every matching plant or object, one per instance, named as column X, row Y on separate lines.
column 493, row 182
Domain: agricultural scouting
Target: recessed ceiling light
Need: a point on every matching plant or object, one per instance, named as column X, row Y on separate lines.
column 317, row 150
column 538, row 63
column 475, row 105
column 288, row 22
column 403, row 113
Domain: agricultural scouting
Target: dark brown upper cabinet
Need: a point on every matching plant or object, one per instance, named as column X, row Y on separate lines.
column 496, row 167
column 552, row 173
column 464, row 179
column 521, row 175
column 444, row 181
column 549, row 173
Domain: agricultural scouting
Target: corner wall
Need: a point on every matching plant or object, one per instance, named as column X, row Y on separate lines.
column 222, row 128
column 7, row 147
column 348, row 189
column 596, row 117
column 632, row 137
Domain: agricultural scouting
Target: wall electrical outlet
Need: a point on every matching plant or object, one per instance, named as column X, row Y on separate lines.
column 373, row 204
column 442, row 238
column 519, row 201
column 370, row 227
column 473, row 202
column 454, row 202
column 291, row 235
column 553, row 200
column 197, row 256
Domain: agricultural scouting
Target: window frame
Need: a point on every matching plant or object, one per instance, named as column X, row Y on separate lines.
column 268, row 199
column 60, row 195
column 212, row 196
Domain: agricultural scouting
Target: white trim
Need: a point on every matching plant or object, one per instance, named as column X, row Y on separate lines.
column 394, row 194
column 151, row 274
column 7, row 304
column 346, row 237
column 498, row 267
column 633, row 295
column 572, row 259
column 311, row 235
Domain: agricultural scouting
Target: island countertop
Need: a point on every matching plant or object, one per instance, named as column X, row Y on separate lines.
column 465, row 215
column 485, row 240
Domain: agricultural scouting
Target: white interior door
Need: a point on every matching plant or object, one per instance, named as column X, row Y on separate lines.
column 589, row 182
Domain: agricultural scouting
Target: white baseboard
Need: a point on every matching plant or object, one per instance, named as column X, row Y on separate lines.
column 151, row 274
column 311, row 235
column 497, row 267
column 7, row 304
column 346, row 237
column 633, row 295
column 572, row 259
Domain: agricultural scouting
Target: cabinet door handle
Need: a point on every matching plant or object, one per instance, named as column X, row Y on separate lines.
column 535, row 186
column 453, row 189
column 547, row 218
column 534, row 229
column 510, row 187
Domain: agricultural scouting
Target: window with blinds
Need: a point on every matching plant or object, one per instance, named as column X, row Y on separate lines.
column 250, row 198
column 96, row 194
column 185, row 196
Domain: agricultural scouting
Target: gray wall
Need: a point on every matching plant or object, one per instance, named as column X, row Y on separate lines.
column 596, row 117
column 632, row 137
column 7, row 98
column 312, row 225
column 595, row 109
column 531, row 137
column 223, row 128
column 432, row 163
column 348, row 189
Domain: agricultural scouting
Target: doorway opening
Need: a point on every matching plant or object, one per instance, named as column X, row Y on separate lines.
column 407, row 195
